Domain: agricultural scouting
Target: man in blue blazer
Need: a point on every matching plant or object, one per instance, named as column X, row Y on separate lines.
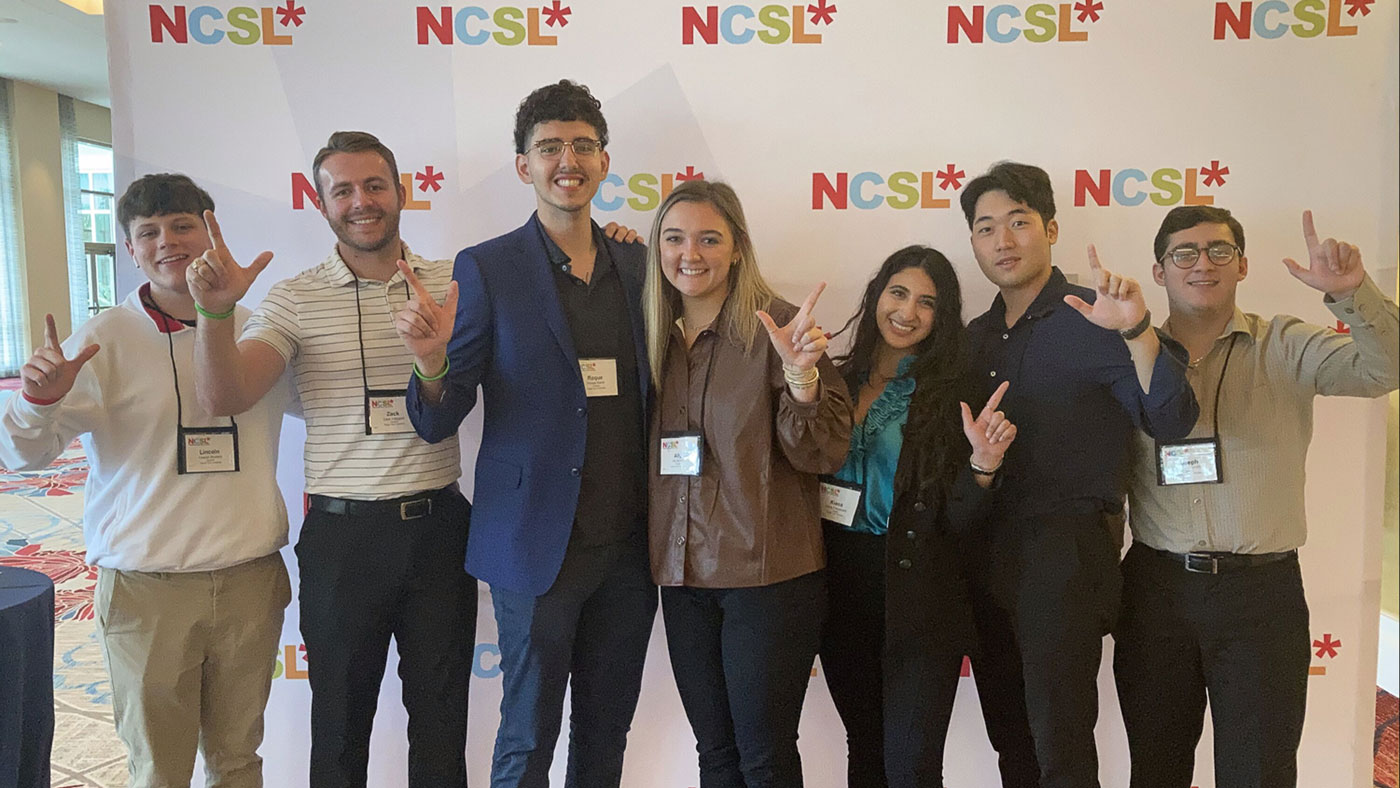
column 548, row 323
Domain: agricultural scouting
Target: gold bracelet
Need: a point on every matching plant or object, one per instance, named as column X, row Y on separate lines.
column 801, row 380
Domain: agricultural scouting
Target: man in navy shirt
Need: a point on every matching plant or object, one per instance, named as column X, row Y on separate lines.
column 1086, row 369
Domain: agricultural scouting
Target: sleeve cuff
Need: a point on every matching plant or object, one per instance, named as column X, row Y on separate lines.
column 1357, row 308
column 40, row 402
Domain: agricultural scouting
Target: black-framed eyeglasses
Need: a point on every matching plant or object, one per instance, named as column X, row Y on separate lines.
column 582, row 147
column 1218, row 252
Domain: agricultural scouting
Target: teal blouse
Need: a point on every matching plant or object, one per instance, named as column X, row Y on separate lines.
column 874, row 455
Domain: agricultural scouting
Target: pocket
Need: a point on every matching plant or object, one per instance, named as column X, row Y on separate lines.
column 497, row 474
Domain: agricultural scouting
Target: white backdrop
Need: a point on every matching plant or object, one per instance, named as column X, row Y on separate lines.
column 848, row 132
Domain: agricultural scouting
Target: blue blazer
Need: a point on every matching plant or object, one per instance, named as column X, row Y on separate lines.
column 511, row 338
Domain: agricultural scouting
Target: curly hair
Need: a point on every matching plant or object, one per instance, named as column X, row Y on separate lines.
column 563, row 100
column 933, row 434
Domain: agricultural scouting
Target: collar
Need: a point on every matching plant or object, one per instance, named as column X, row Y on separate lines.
column 336, row 271
column 1050, row 297
column 165, row 324
column 558, row 261
column 1239, row 324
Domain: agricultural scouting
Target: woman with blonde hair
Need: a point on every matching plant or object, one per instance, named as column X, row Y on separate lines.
column 748, row 412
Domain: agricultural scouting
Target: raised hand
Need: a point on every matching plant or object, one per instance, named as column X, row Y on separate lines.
column 1120, row 304
column 990, row 433
column 48, row 375
column 1334, row 267
column 621, row 233
column 424, row 325
column 800, row 343
column 215, row 279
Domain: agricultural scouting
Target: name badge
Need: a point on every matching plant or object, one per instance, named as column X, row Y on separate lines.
column 386, row 412
column 1196, row 461
column 681, row 453
column 840, row 500
column 599, row 376
column 208, row 450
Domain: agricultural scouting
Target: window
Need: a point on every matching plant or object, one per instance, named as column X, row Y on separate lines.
column 98, row 214
column 12, row 311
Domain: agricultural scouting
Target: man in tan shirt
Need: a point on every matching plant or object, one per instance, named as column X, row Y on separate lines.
column 1213, row 599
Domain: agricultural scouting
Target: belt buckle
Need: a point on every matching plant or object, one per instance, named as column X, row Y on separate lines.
column 416, row 509
column 1202, row 563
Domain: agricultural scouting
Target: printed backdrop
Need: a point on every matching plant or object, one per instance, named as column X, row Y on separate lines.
column 848, row 129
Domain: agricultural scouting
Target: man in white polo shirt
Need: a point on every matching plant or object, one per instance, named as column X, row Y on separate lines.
column 382, row 547
column 183, row 518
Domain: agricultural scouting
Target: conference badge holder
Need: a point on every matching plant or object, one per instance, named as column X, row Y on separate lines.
column 599, row 376
column 208, row 449
column 681, row 453
column 386, row 412
column 840, row 500
column 1197, row 461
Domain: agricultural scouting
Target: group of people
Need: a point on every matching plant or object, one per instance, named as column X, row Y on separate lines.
column 657, row 415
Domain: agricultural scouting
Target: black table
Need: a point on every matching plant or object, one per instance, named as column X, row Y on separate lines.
column 26, row 677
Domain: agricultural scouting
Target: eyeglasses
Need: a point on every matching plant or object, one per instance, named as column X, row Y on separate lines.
column 1218, row 252
column 582, row 147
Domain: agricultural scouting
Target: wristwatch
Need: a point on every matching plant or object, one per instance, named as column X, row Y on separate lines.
column 1137, row 330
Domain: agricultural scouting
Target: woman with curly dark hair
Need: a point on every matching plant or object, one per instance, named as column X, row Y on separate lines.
column 899, row 617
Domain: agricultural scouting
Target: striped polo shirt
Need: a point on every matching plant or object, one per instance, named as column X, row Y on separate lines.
column 311, row 320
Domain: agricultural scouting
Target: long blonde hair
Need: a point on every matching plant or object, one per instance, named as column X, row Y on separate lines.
column 748, row 292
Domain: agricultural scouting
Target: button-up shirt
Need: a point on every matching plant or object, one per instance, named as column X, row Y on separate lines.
column 612, row 485
column 1266, row 392
column 752, row 517
column 1075, row 400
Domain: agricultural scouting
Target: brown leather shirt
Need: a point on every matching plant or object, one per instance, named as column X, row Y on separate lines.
column 752, row 517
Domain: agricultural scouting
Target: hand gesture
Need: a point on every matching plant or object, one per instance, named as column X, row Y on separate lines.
column 1120, row 304
column 1334, row 267
column 215, row 279
column 990, row 433
column 48, row 375
column 621, row 233
column 800, row 343
column 424, row 325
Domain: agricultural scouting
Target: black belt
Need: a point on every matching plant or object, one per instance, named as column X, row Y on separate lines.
column 409, row 507
column 1212, row 563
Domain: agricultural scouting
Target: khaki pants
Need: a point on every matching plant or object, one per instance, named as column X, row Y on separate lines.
column 191, row 656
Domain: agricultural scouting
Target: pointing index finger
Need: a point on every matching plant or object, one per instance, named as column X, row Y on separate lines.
column 1309, row 231
column 50, row 333
column 418, row 289
column 995, row 400
column 216, row 235
column 811, row 301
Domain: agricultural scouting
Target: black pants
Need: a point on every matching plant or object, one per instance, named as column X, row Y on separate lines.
column 1048, row 591
column 1239, row 637
column 893, row 674
column 588, row 633
column 742, row 658
column 364, row 579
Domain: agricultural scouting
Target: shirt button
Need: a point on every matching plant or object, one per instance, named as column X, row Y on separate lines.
column 680, row 541
column 682, row 499
column 905, row 563
column 581, row 411
column 1350, row 311
column 994, row 373
column 1195, row 500
column 573, row 471
column 911, row 535
column 1005, row 336
column 1200, row 544
column 919, row 506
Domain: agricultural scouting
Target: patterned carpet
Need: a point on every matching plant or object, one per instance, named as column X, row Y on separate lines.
column 41, row 528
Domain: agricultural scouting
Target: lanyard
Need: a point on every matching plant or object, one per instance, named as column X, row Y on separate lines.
column 360, row 329
column 174, row 373
column 1215, row 409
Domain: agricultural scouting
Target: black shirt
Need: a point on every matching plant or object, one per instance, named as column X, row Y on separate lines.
column 613, row 481
column 1075, row 400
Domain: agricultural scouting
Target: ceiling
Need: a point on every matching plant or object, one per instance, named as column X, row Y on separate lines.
column 49, row 43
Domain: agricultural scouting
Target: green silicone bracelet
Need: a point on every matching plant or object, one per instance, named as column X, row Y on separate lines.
column 446, row 365
column 215, row 315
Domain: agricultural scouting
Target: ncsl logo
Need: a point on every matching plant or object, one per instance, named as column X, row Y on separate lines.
column 742, row 24
column 640, row 191
column 474, row 25
column 425, row 180
column 900, row 190
column 243, row 25
column 1165, row 186
column 1038, row 23
column 1276, row 19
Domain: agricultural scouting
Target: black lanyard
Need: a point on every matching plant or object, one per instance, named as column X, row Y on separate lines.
column 174, row 373
column 1215, row 409
column 360, row 330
